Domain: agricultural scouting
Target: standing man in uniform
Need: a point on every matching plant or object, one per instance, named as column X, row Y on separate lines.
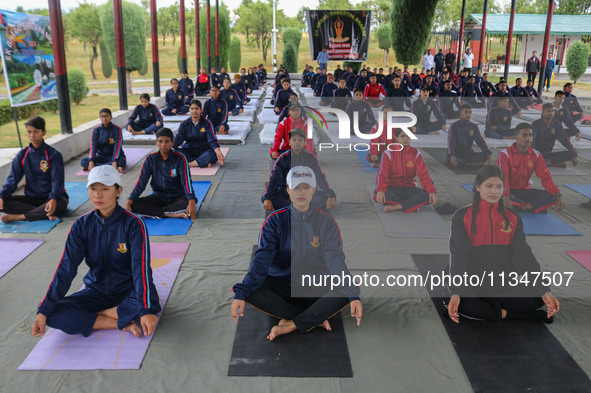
column 550, row 63
column 439, row 62
column 532, row 67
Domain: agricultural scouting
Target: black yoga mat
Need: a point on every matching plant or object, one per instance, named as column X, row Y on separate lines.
column 439, row 154
column 507, row 356
column 318, row 353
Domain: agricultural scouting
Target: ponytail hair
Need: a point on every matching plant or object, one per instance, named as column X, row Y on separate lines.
column 486, row 172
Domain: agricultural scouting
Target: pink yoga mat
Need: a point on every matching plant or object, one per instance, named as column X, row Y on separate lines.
column 13, row 251
column 211, row 171
column 133, row 156
column 583, row 257
column 108, row 349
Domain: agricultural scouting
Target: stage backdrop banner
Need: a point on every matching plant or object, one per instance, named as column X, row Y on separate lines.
column 27, row 57
column 344, row 33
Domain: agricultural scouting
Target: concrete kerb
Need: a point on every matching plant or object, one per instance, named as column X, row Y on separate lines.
column 71, row 145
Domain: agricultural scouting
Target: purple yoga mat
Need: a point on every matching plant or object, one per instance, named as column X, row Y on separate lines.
column 108, row 349
column 133, row 156
column 12, row 251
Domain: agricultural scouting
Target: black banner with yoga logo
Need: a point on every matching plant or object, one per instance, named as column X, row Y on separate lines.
column 345, row 34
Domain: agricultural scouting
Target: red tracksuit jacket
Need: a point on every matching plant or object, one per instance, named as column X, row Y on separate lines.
column 399, row 169
column 282, row 134
column 374, row 91
column 518, row 169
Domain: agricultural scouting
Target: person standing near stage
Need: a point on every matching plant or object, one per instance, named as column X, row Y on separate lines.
column 532, row 67
column 428, row 61
column 439, row 62
column 450, row 59
column 550, row 64
column 468, row 59
column 322, row 59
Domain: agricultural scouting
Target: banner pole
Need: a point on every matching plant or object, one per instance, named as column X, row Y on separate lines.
column 18, row 132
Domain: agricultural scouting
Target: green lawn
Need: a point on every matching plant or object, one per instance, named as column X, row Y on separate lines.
column 83, row 113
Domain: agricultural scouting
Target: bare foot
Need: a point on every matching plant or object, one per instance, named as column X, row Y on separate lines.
column 12, row 217
column 434, row 133
column 109, row 312
column 52, row 218
column 120, row 169
column 193, row 164
column 134, row 329
column 325, row 325
column 391, row 208
column 284, row 327
column 209, row 165
column 374, row 165
column 177, row 215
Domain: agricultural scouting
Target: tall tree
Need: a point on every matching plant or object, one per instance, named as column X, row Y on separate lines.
column 256, row 21
column 384, row 42
column 449, row 12
column 134, row 32
column 84, row 27
column 409, row 40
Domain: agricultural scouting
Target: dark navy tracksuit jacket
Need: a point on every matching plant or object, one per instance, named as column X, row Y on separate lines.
column 117, row 251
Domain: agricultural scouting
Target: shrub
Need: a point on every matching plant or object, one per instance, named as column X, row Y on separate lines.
column 235, row 55
column 293, row 35
column 106, row 65
column 577, row 60
column 77, row 85
column 290, row 57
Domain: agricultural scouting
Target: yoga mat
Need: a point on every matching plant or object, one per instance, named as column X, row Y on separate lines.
column 175, row 118
column 584, row 189
column 78, row 196
column 267, row 134
column 581, row 256
column 212, row 170
column 267, row 103
column 506, row 356
column 14, row 251
column 439, row 155
column 177, row 226
column 267, row 116
column 128, row 136
column 247, row 116
column 108, row 349
column 237, row 136
column 317, row 353
column 362, row 155
column 425, row 223
column 540, row 224
column 133, row 156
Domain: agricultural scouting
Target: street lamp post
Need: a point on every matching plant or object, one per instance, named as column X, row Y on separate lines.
column 275, row 31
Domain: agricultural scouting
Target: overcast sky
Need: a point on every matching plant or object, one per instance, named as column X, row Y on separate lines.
column 290, row 7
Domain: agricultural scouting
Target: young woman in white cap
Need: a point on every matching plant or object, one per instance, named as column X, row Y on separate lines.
column 296, row 241
column 118, row 286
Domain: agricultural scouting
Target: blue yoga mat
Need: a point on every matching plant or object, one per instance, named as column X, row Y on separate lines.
column 366, row 164
column 541, row 224
column 584, row 189
column 78, row 196
column 177, row 226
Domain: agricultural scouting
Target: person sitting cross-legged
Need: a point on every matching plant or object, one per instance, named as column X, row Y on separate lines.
column 172, row 191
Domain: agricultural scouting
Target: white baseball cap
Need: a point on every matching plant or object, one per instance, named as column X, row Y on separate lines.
column 301, row 174
column 104, row 174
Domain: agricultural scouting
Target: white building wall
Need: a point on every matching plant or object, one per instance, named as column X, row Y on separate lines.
column 536, row 42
